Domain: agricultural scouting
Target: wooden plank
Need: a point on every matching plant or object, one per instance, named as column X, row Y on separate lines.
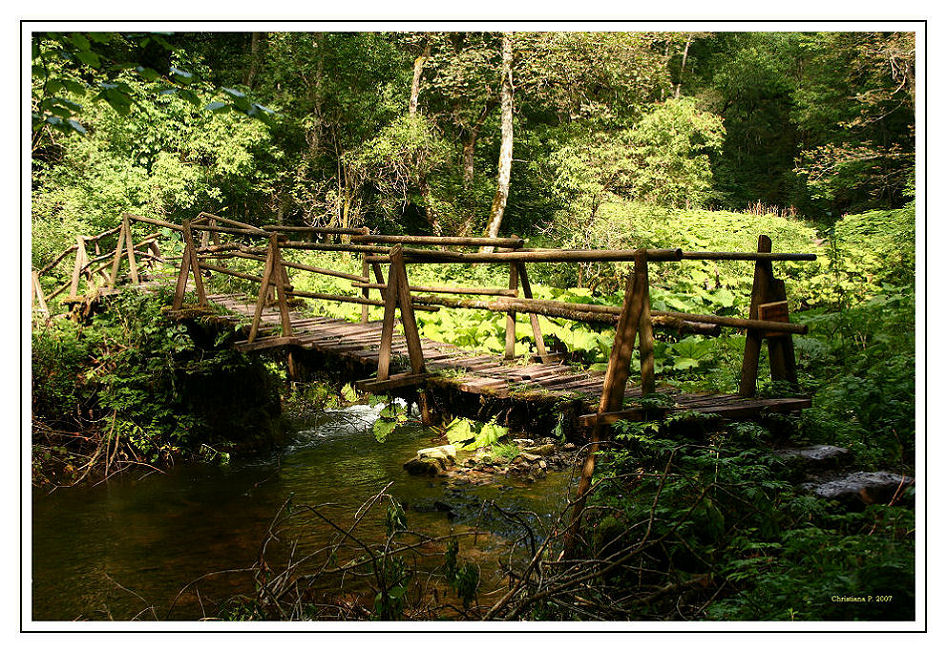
column 731, row 408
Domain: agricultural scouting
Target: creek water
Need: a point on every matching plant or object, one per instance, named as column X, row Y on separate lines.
column 111, row 551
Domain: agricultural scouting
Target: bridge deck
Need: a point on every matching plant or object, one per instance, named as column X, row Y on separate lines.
column 473, row 372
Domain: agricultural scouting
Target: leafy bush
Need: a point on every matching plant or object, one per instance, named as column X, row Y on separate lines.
column 136, row 376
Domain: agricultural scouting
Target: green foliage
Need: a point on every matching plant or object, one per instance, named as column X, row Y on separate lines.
column 505, row 451
column 464, row 577
column 391, row 417
column 472, row 435
column 68, row 67
column 724, row 510
column 143, row 379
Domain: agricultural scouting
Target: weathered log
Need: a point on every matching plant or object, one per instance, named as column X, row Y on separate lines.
column 456, row 290
column 295, row 266
column 458, row 241
column 328, row 231
column 543, row 256
column 745, row 256
column 157, row 223
column 329, row 247
column 49, row 266
column 600, row 312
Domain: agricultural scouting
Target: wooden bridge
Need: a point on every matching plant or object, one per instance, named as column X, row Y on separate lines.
column 406, row 362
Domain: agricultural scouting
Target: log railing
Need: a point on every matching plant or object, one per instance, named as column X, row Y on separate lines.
column 205, row 250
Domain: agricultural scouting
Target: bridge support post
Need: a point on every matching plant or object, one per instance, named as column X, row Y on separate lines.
column 365, row 270
column 398, row 296
column 510, row 349
column 274, row 274
column 636, row 312
column 533, row 318
column 82, row 260
column 38, row 295
column 126, row 243
column 189, row 264
column 767, row 290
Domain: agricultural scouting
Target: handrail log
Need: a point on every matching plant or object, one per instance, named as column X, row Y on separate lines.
column 49, row 266
column 328, row 247
column 288, row 264
column 351, row 299
column 328, row 231
column 602, row 313
column 241, row 231
column 440, row 240
column 545, row 256
column 457, row 290
column 233, row 223
column 157, row 223
column 746, row 256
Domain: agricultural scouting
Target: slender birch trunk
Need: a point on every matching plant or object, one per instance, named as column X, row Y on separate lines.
column 506, row 142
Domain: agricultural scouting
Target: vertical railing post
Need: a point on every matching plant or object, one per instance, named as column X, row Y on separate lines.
column 510, row 350
column 82, row 259
column 533, row 318
column 269, row 271
column 189, row 264
column 398, row 295
column 770, row 292
column 117, row 259
column 408, row 321
column 616, row 379
column 38, row 295
column 388, row 321
column 130, row 246
column 365, row 270
column 645, row 330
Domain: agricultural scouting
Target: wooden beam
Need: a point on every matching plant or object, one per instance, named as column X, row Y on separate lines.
column 392, row 382
column 38, row 293
column 645, row 332
column 264, row 287
column 130, row 248
column 408, row 321
column 510, row 348
column 365, row 271
column 762, row 273
column 266, row 343
column 533, row 318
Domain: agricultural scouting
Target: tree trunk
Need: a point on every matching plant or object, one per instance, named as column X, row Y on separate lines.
column 470, row 143
column 506, row 143
column 687, row 45
column 255, row 39
column 416, row 80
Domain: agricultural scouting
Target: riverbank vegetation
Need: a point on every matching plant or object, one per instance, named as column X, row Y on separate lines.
column 701, row 141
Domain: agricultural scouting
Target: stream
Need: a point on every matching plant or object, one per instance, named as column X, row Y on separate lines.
column 115, row 550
